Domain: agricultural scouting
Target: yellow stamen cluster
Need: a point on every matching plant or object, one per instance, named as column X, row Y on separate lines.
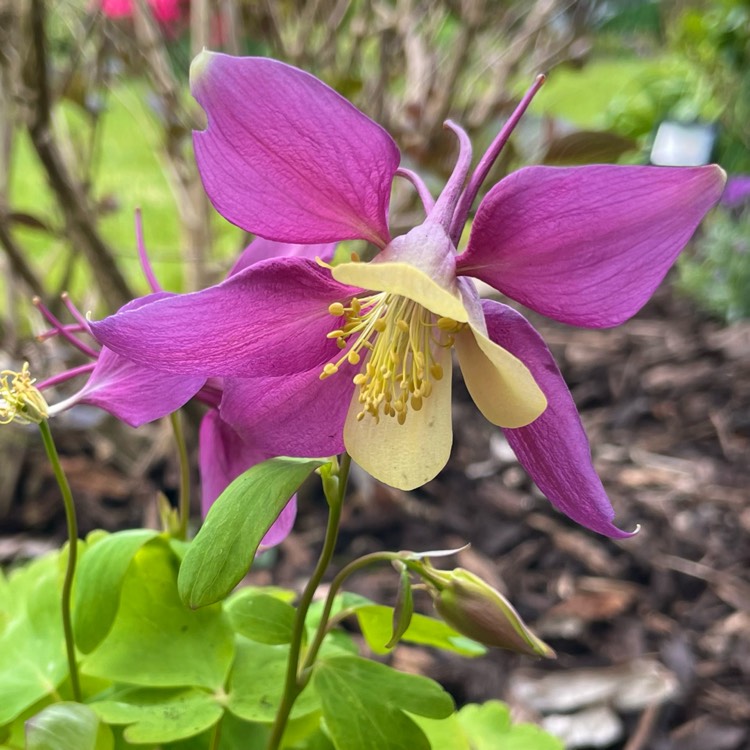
column 396, row 338
column 20, row 401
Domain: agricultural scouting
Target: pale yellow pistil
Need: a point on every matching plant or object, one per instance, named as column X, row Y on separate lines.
column 398, row 337
column 20, row 400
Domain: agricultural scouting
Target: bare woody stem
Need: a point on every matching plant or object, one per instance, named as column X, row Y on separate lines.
column 72, row 523
column 295, row 682
column 75, row 203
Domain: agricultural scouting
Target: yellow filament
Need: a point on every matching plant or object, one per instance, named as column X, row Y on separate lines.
column 20, row 400
column 397, row 338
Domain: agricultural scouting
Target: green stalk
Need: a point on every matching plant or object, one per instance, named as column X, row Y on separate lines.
column 216, row 736
column 336, row 583
column 293, row 685
column 72, row 523
column 184, row 499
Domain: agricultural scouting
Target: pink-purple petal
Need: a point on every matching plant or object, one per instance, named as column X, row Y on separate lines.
column 224, row 455
column 294, row 415
column 554, row 448
column 261, row 249
column 134, row 393
column 130, row 391
column 587, row 245
column 270, row 319
column 286, row 157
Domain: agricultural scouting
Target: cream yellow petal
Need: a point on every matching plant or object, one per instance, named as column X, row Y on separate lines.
column 409, row 455
column 405, row 280
column 500, row 384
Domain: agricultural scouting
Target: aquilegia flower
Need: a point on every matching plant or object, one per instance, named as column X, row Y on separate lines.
column 317, row 358
column 137, row 394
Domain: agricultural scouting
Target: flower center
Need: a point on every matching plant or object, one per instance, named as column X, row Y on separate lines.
column 20, row 401
column 397, row 338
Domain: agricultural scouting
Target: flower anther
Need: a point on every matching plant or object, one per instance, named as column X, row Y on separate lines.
column 20, row 400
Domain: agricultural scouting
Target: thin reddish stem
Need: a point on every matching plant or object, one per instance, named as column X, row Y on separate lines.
column 148, row 271
column 75, row 312
column 55, row 323
column 52, row 332
column 67, row 375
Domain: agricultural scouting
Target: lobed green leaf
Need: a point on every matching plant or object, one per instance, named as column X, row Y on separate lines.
column 32, row 652
column 161, row 715
column 156, row 641
column 99, row 583
column 262, row 618
column 257, row 681
column 488, row 726
column 377, row 683
column 67, row 726
column 376, row 621
column 360, row 704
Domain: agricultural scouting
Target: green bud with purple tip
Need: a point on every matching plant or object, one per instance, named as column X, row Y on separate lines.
column 477, row 610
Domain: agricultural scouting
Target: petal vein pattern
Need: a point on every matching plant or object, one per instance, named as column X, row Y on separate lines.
column 270, row 319
column 587, row 245
column 286, row 157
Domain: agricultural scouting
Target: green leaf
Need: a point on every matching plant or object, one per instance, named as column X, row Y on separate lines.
column 445, row 734
column 378, row 683
column 32, row 649
column 262, row 618
column 242, row 735
column 156, row 641
column 376, row 622
column 317, row 741
column 488, row 727
column 8, row 605
column 67, row 726
column 161, row 715
column 223, row 551
column 257, row 681
column 356, row 715
column 98, row 584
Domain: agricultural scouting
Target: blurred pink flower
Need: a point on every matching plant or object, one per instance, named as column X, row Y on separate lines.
column 165, row 11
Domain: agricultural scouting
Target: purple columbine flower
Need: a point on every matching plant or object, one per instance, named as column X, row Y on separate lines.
column 358, row 356
column 136, row 394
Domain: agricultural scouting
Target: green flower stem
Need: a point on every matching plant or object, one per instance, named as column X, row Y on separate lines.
column 215, row 736
column 184, row 501
column 335, row 491
column 72, row 523
column 336, row 583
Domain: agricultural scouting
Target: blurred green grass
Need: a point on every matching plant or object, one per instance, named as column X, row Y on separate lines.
column 592, row 96
column 128, row 173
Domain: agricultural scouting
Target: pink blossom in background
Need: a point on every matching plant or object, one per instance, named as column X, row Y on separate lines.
column 165, row 11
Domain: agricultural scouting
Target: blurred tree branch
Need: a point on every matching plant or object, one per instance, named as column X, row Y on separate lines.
column 191, row 200
column 72, row 197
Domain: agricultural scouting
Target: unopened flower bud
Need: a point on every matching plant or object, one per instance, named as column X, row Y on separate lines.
column 475, row 609
column 20, row 401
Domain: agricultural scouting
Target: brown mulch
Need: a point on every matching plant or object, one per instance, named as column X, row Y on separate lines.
column 662, row 619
